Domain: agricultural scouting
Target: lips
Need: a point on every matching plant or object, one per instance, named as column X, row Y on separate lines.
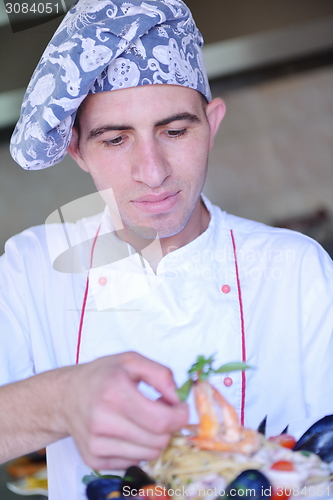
column 157, row 203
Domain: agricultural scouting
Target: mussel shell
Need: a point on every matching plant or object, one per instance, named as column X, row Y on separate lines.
column 318, row 439
column 262, row 426
column 100, row 488
column 135, row 478
column 249, row 484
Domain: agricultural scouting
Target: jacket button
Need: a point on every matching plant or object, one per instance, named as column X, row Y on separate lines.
column 228, row 381
column 102, row 281
column 225, row 289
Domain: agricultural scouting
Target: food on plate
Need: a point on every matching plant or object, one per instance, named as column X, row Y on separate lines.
column 215, row 459
column 28, row 464
column 214, row 454
column 104, row 488
column 230, row 436
column 284, row 440
column 252, row 480
column 319, row 439
column 185, row 467
column 34, row 484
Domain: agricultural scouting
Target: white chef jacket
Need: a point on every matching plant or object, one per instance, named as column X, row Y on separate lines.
column 241, row 290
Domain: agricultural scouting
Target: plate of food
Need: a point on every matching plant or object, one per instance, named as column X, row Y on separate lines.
column 224, row 460
column 32, row 484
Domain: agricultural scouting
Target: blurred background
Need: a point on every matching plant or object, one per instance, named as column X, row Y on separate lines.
column 272, row 62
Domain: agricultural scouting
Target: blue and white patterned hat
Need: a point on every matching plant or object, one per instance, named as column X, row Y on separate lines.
column 104, row 45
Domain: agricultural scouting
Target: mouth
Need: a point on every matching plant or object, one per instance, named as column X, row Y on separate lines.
column 157, row 203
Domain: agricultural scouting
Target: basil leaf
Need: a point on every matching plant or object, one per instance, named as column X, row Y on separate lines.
column 96, row 475
column 184, row 390
column 89, row 478
column 232, row 367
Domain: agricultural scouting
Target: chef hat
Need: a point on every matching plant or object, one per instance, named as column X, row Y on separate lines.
column 104, row 45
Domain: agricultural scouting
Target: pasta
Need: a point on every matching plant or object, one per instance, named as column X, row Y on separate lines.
column 194, row 472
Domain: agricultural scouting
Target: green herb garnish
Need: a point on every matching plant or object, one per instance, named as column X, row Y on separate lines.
column 202, row 369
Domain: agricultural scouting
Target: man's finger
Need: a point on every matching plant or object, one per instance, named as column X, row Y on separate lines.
column 106, row 447
column 122, row 397
column 154, row 374
column 157, row 417
column 114, row 425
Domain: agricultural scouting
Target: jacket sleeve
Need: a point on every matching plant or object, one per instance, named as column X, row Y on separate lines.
column 317, row 337
column 18, row 275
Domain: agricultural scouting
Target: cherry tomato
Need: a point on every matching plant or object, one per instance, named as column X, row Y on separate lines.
column 284, row 440
column 284, row 465
column 280, row 494
column 153, row 491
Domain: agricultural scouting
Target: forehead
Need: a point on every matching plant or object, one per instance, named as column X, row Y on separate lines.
column 143, row 102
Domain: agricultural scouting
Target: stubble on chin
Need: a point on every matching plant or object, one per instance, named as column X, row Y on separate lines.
column 157, row 228
column 161, row 226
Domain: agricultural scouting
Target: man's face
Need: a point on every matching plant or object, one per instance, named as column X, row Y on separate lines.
column 150, row 144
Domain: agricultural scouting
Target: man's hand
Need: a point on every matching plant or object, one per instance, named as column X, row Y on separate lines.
column 99, row 404
column 113, row 424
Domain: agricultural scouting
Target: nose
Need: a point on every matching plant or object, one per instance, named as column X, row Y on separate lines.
column 150, row 164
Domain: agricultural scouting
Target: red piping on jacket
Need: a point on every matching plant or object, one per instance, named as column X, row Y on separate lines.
column 84, row 303
column 241, row 313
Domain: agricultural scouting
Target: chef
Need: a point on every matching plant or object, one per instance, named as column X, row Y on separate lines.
column 101, row 319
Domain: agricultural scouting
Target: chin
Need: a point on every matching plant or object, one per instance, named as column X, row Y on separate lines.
column 161, row 226
column 158, row 229
column 168, row 230
column 152, row 232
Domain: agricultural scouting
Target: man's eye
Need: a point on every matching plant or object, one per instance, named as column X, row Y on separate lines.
column 115, row 142
column 176, row 133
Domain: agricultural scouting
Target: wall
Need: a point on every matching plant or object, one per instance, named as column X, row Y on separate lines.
column 274, row 152
column 224, row 19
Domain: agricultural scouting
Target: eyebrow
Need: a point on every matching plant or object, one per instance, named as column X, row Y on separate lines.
column 95, row 132
column 180, row 117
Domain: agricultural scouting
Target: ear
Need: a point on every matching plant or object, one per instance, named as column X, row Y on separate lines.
column 74, row 150
column 215, row 112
